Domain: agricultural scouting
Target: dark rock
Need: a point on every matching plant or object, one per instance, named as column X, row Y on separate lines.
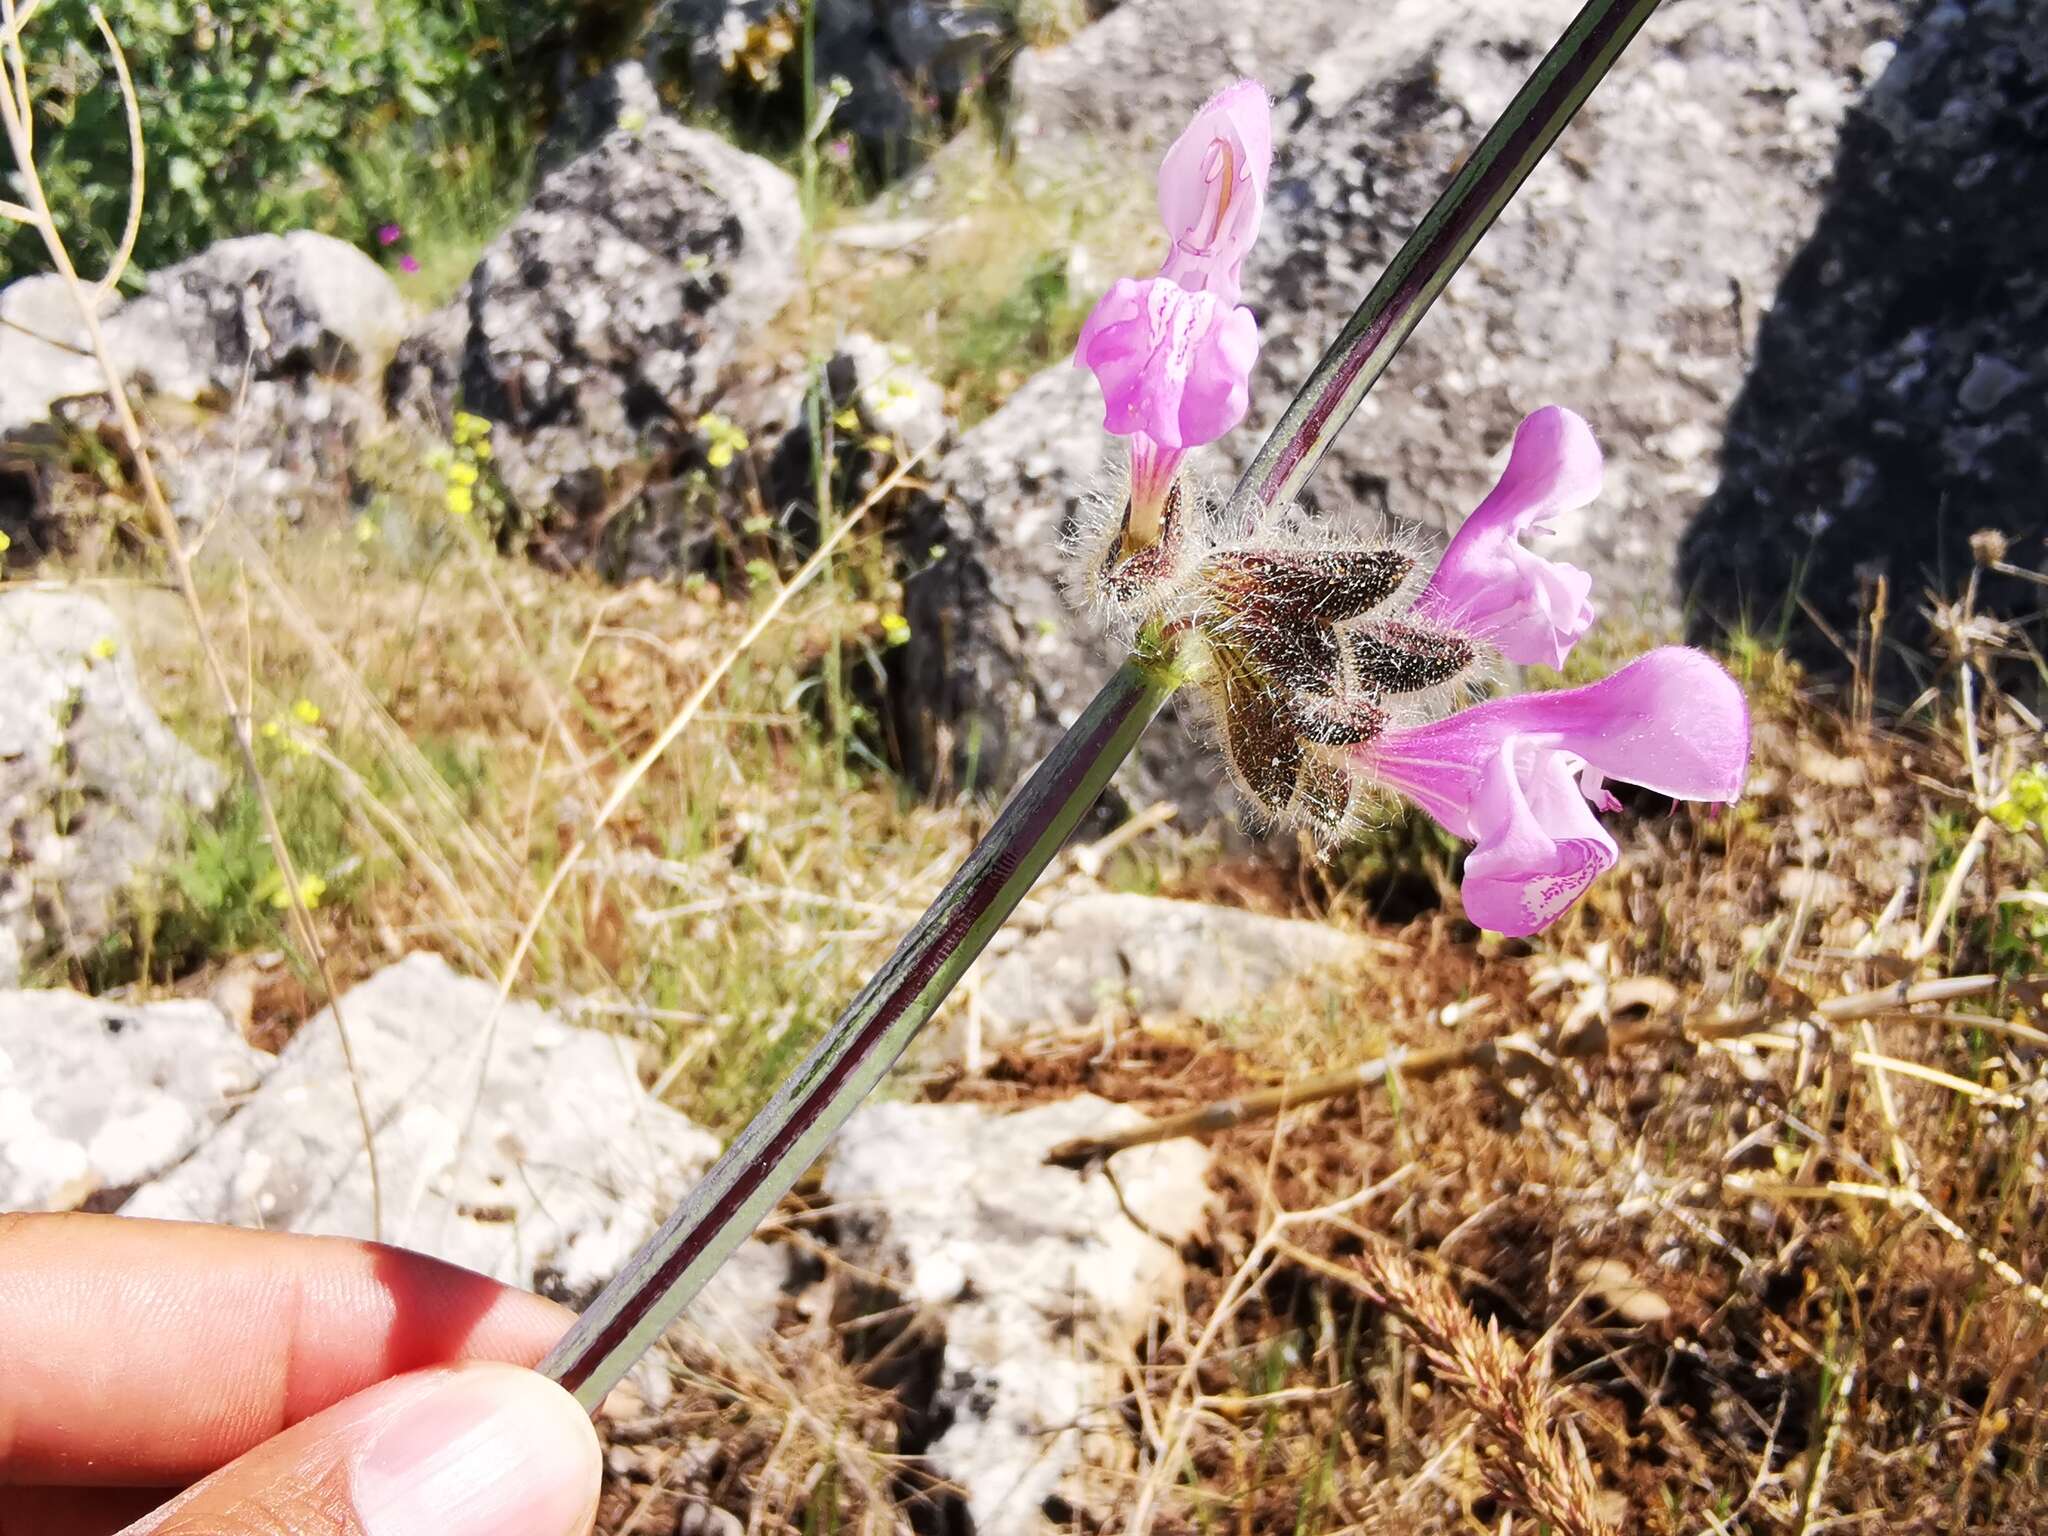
column 623, row 97
column 597, row 329
column 905, row 64
column 1899, row 397
column 881, row 408
column 1623, row 282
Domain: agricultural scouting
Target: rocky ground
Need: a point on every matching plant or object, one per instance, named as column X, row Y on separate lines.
column 1683, row 1218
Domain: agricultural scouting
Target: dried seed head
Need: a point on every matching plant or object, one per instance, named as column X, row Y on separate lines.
column 1391, row 656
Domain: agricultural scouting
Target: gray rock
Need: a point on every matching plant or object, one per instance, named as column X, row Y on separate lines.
column 259, row 308
column 271, row 337
column 45, row 352
column 1039, row 1277
column 1624, row 281
column 1152, row 957
column 1898, row 401
column 93, row 787
column 597, row 329
column 569, row 1164
column 98, row 1096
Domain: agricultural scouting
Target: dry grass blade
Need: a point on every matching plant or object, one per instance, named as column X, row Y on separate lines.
column 1422, row 1066
column 17, row 115
column 637, row 771
column 136, row 165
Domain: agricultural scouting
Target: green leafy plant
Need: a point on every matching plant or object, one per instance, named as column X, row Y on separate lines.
column 267, row 115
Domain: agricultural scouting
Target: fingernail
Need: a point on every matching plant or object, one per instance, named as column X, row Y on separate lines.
column 486, row 1450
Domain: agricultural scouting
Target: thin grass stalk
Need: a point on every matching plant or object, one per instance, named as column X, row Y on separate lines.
column 17, row 118
column 1424, row 265
column 787, row 1135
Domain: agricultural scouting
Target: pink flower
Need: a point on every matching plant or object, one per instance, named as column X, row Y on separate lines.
column 1173, row 365
column 408, row 262
column 1174, row 352
column 1514, row 776
column 1487, row 584
column 390, row 234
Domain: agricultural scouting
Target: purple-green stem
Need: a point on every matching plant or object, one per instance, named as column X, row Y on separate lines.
column 768, row 1157
column 787, row 1136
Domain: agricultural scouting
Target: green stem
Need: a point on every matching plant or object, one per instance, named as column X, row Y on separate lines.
column 1417, row 274
column 787, row 1136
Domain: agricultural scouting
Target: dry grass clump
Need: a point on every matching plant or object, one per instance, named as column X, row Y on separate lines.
column 442, row 726
column 1784, row 1255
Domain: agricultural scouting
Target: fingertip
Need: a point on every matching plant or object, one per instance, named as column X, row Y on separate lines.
column 479, row 1451
column 469, row 1450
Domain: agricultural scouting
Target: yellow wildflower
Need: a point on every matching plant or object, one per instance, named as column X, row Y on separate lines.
column 724, row 439
column 460, row 473
column 306, row 712
column 895, row 628
column 105, row 647
column 311, row 889
column 461, row 501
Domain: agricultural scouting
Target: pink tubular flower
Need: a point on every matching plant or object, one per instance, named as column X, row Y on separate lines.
column 1174, row 352
column 1487, row 584
column 408, row 262
column 390, row 234
column 1502, row 775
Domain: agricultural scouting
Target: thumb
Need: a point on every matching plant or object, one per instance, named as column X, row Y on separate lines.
column 477, row 1450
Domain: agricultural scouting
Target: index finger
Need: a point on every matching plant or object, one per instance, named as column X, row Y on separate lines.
column 150, row 1353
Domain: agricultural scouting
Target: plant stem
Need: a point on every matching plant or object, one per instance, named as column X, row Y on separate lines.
column 1417, row 274
column 787, row 1136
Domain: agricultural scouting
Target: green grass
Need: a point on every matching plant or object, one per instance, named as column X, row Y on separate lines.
column 998, row 288
column 451, row 195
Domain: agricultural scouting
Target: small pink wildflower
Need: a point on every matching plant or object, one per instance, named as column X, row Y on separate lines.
column 408, row 262
column 1514, row 776
column 390, row 234
column 1174, row 352
column 1491, row 587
